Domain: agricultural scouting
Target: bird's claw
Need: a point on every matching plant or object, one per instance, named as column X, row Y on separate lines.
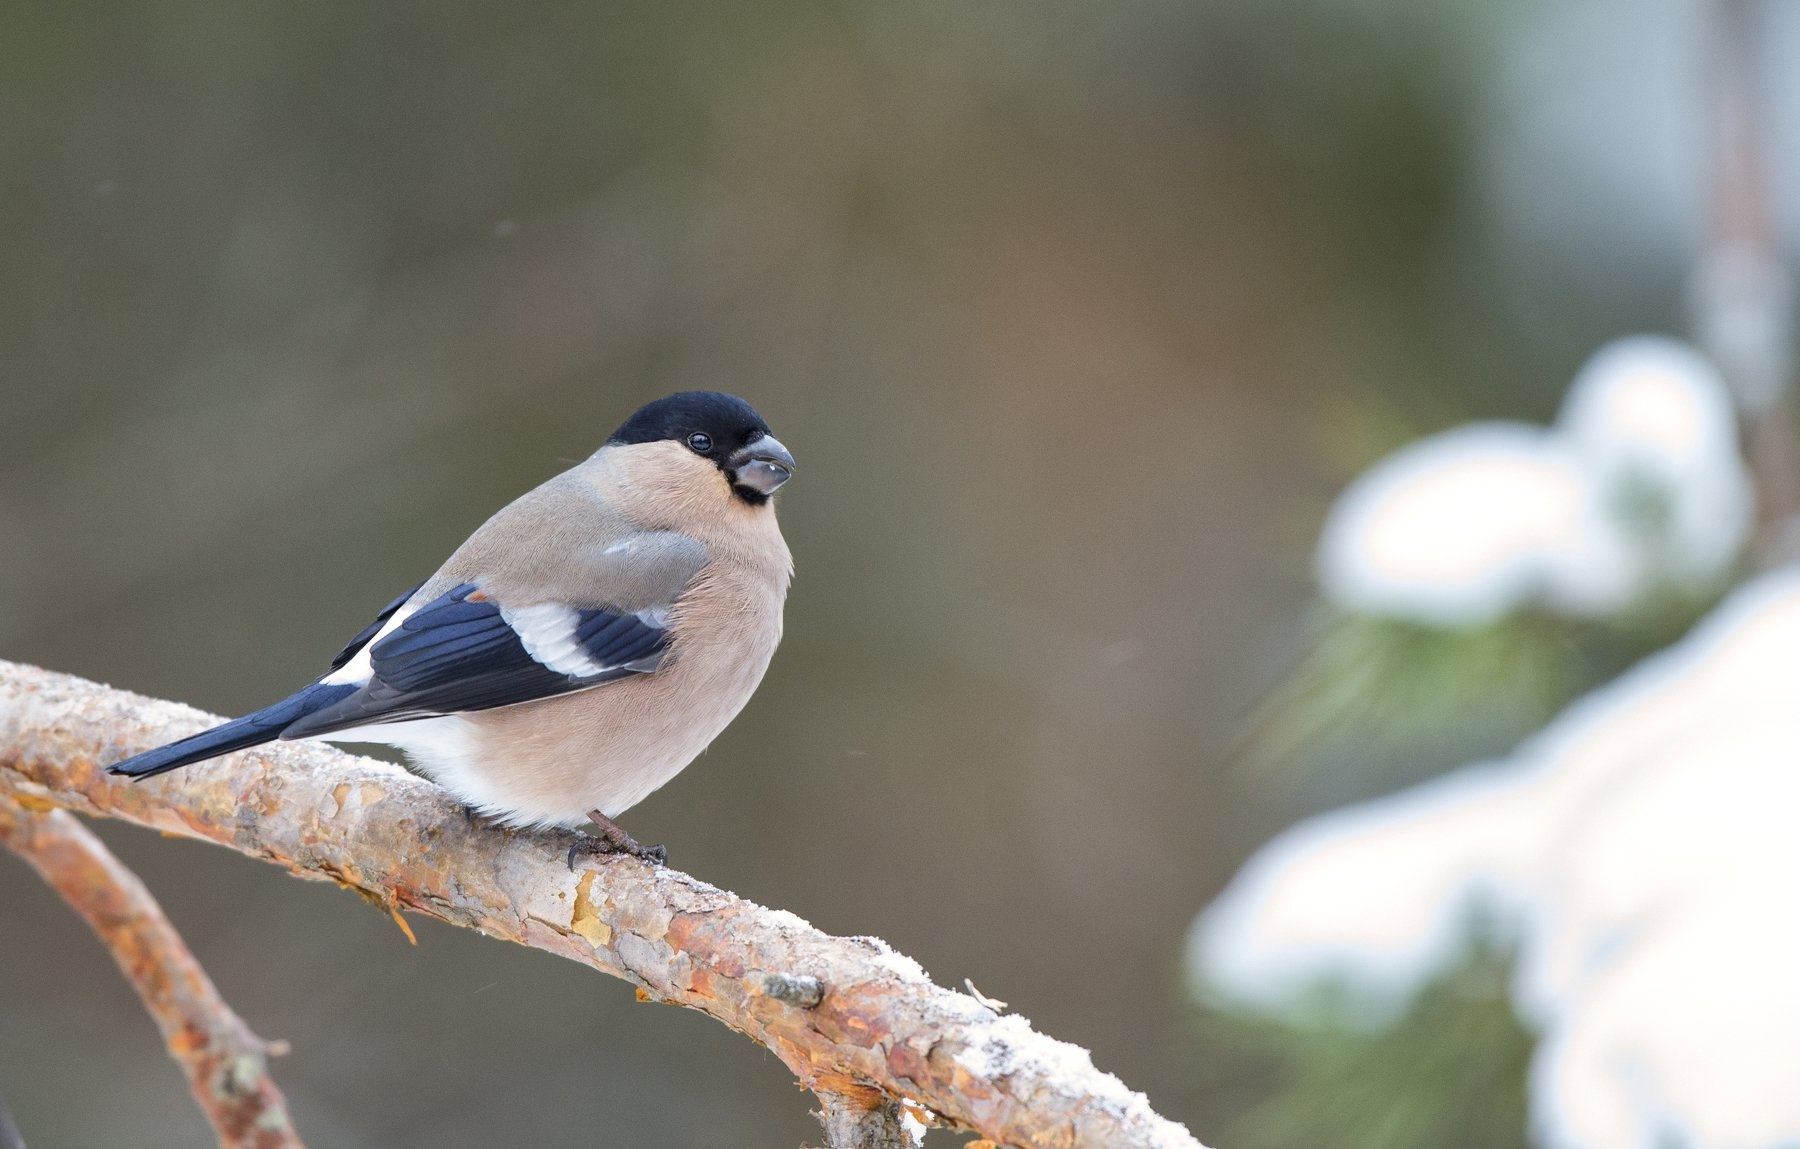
column 612, row 840
column 593, row 844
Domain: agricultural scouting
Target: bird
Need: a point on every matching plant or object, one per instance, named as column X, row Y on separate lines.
column 582, row 647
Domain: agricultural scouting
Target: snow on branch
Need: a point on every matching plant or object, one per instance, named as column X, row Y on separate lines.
column 855, row 1021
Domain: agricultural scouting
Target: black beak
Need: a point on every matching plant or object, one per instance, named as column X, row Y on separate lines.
column 762, row 466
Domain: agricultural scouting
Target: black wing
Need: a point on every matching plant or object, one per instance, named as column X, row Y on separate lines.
column 363, row 636
column 459, row 652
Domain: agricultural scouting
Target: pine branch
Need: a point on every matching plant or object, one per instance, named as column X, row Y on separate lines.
column 856, row 1022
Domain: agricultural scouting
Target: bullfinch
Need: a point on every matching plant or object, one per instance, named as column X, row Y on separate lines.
column 583, row 646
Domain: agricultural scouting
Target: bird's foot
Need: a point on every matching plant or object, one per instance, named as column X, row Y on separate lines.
column 613, row 840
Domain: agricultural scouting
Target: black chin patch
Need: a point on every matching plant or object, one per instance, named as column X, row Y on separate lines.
column 750, row 495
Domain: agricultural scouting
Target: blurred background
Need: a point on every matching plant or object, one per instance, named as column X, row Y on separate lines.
column 1076, row 317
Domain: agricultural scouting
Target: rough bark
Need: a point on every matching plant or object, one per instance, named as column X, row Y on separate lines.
column 851, row 1124
column 855, row 1021
column 225, row 1063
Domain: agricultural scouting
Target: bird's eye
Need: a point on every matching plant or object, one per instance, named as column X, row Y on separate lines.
column 701, row 442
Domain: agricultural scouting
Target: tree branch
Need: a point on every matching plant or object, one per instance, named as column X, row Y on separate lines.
column 225, row 1063
column 851, row 1124
column 855, row 1021
column 9, row 1133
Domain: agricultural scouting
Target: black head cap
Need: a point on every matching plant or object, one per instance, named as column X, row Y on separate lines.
column 727, row 422
column 719, row 427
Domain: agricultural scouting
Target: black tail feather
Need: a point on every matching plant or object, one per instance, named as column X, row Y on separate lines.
column 265, row 725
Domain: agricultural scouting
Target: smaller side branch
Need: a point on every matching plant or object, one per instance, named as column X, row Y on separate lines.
column 224, row 1061
column 9, row 1133
column 864, row 1120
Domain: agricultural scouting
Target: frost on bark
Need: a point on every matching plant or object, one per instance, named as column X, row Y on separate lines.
column 855, row 1021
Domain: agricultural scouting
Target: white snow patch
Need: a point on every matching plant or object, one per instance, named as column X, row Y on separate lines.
column 892, row 959
column 912, row 1127
column 1643, row 848
column 1454, row 528
column 1376, row 894
column 1005, row 1047
column 788, row 920
column 1639, row 483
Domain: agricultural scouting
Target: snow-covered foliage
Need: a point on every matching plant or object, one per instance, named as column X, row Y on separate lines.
column 1643, row 851
column 1639, row 485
